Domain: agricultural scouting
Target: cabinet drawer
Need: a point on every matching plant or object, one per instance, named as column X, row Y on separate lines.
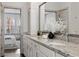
column 46, row 51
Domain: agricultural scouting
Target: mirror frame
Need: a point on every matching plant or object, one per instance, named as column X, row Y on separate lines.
column 39, row 13
column 40, row 32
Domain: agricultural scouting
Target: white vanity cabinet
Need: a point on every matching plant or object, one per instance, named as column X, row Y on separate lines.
column 30, row 47
column 40, row 54
column 46, row 51
column 59, row 55
column 25, row 46
column 35, row 49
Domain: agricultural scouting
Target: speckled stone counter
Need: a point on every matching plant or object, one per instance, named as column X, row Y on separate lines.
column 64, row 48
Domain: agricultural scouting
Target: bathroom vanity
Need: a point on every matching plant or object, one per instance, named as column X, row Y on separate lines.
column 55, row 20
column 37, row 47
column 34, row 46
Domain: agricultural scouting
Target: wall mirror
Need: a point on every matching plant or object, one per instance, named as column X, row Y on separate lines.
column 53, row 17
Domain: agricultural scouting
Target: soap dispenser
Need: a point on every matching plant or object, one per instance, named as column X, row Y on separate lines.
column 51, row 35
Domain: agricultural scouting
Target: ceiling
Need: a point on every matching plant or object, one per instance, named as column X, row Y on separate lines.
column 15, row 4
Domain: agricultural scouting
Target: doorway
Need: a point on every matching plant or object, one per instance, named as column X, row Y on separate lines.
column 12, row 32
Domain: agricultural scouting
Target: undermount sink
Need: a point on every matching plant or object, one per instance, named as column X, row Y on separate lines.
column 52, row 42
column 57, row 44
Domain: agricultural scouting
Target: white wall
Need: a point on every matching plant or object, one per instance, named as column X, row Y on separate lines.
column 51, row 6
column 74, row 18
column 34, row 14
column 42, row 17
column 56, row 6
column 24, row 18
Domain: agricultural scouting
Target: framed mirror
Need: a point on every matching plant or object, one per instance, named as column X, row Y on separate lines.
column 53, row 17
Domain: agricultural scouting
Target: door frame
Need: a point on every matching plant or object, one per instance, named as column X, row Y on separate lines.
column 20, row 24
column 2, row 30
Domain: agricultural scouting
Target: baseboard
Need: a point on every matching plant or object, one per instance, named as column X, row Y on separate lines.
column 2, row 56
column 22, row 55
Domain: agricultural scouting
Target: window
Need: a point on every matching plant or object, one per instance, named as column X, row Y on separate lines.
column 12, row 21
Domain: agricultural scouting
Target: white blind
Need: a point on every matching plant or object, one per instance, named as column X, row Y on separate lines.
column 11, row 10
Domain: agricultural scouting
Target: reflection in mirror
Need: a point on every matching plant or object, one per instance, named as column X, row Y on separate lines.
column 54, row 18
column 50, row 20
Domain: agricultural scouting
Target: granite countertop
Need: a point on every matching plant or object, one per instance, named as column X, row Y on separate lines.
column 62, row 47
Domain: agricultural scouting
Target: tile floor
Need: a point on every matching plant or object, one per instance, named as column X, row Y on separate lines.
column 12, row 53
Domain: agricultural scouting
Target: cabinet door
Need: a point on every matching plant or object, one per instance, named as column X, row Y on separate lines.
column 25, row 49
column 47, row 51
column 0, row 46
column 40, row 54
column 29, row 48
column 32, row 48
column 59, row 55
column 22, row 45
column 25, row 46
column 35, row 49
